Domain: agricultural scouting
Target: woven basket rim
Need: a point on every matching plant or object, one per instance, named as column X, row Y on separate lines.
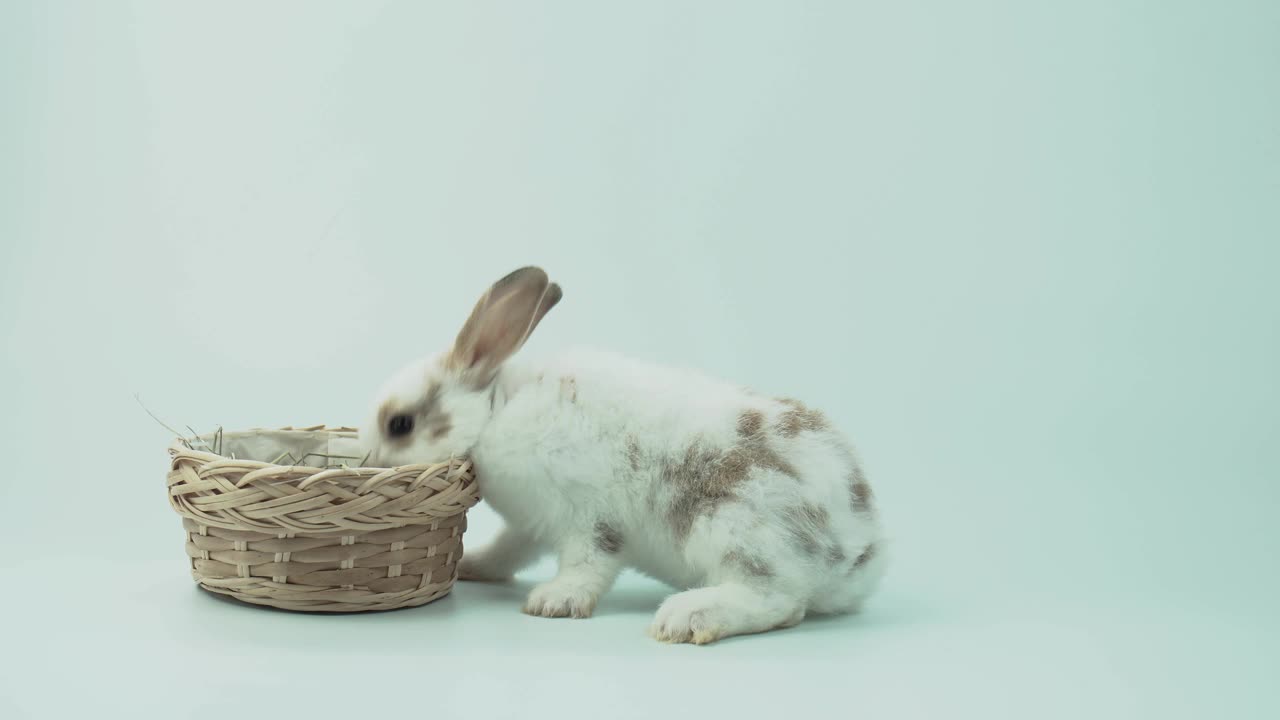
column 214, row 489
column 180, row 447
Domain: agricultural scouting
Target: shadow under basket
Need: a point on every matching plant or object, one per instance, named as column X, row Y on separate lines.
column 314, row 538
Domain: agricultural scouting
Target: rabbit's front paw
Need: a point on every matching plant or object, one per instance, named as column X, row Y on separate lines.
column 561, row 598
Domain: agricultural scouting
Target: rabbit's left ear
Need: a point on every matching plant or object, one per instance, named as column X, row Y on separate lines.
column 502, row 321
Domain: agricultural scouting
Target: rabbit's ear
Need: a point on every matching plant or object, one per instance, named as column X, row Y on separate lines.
column 501, row 322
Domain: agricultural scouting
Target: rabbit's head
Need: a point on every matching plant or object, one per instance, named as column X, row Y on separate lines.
column 436, row 408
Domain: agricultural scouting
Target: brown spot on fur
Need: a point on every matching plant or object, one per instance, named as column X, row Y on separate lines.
column 867, row 556
column 810, row 531
column 804, row 523
column 798, row 418
column 816, row 516
column 750, row 422
column 705, row 478
column 807, row 543
column 569, row 389
column 735, row 464
column 860, row 495
column 755, row 452
column 608, row 539
column 696, row 488
column 633, row 453
column 750, row 565
column 835, row 554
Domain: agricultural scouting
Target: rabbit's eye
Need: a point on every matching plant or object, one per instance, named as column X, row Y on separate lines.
column 400, row 425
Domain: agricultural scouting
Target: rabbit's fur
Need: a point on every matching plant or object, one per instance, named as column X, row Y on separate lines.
column 755, row 503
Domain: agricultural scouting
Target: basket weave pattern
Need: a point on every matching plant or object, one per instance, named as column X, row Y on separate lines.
column 315, row 539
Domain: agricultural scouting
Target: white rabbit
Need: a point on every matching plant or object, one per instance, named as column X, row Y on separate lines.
column 757, row 504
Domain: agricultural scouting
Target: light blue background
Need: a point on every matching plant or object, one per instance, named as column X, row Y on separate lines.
column 1024, row 253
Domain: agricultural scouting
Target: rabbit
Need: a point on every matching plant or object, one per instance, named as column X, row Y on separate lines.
column 755, row 506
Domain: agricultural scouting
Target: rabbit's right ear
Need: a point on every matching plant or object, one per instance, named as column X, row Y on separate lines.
column 501, row 322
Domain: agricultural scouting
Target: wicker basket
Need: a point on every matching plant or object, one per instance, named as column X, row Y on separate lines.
column 336, row 539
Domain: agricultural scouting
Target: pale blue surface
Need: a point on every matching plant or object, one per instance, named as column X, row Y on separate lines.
column 1025, row 256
